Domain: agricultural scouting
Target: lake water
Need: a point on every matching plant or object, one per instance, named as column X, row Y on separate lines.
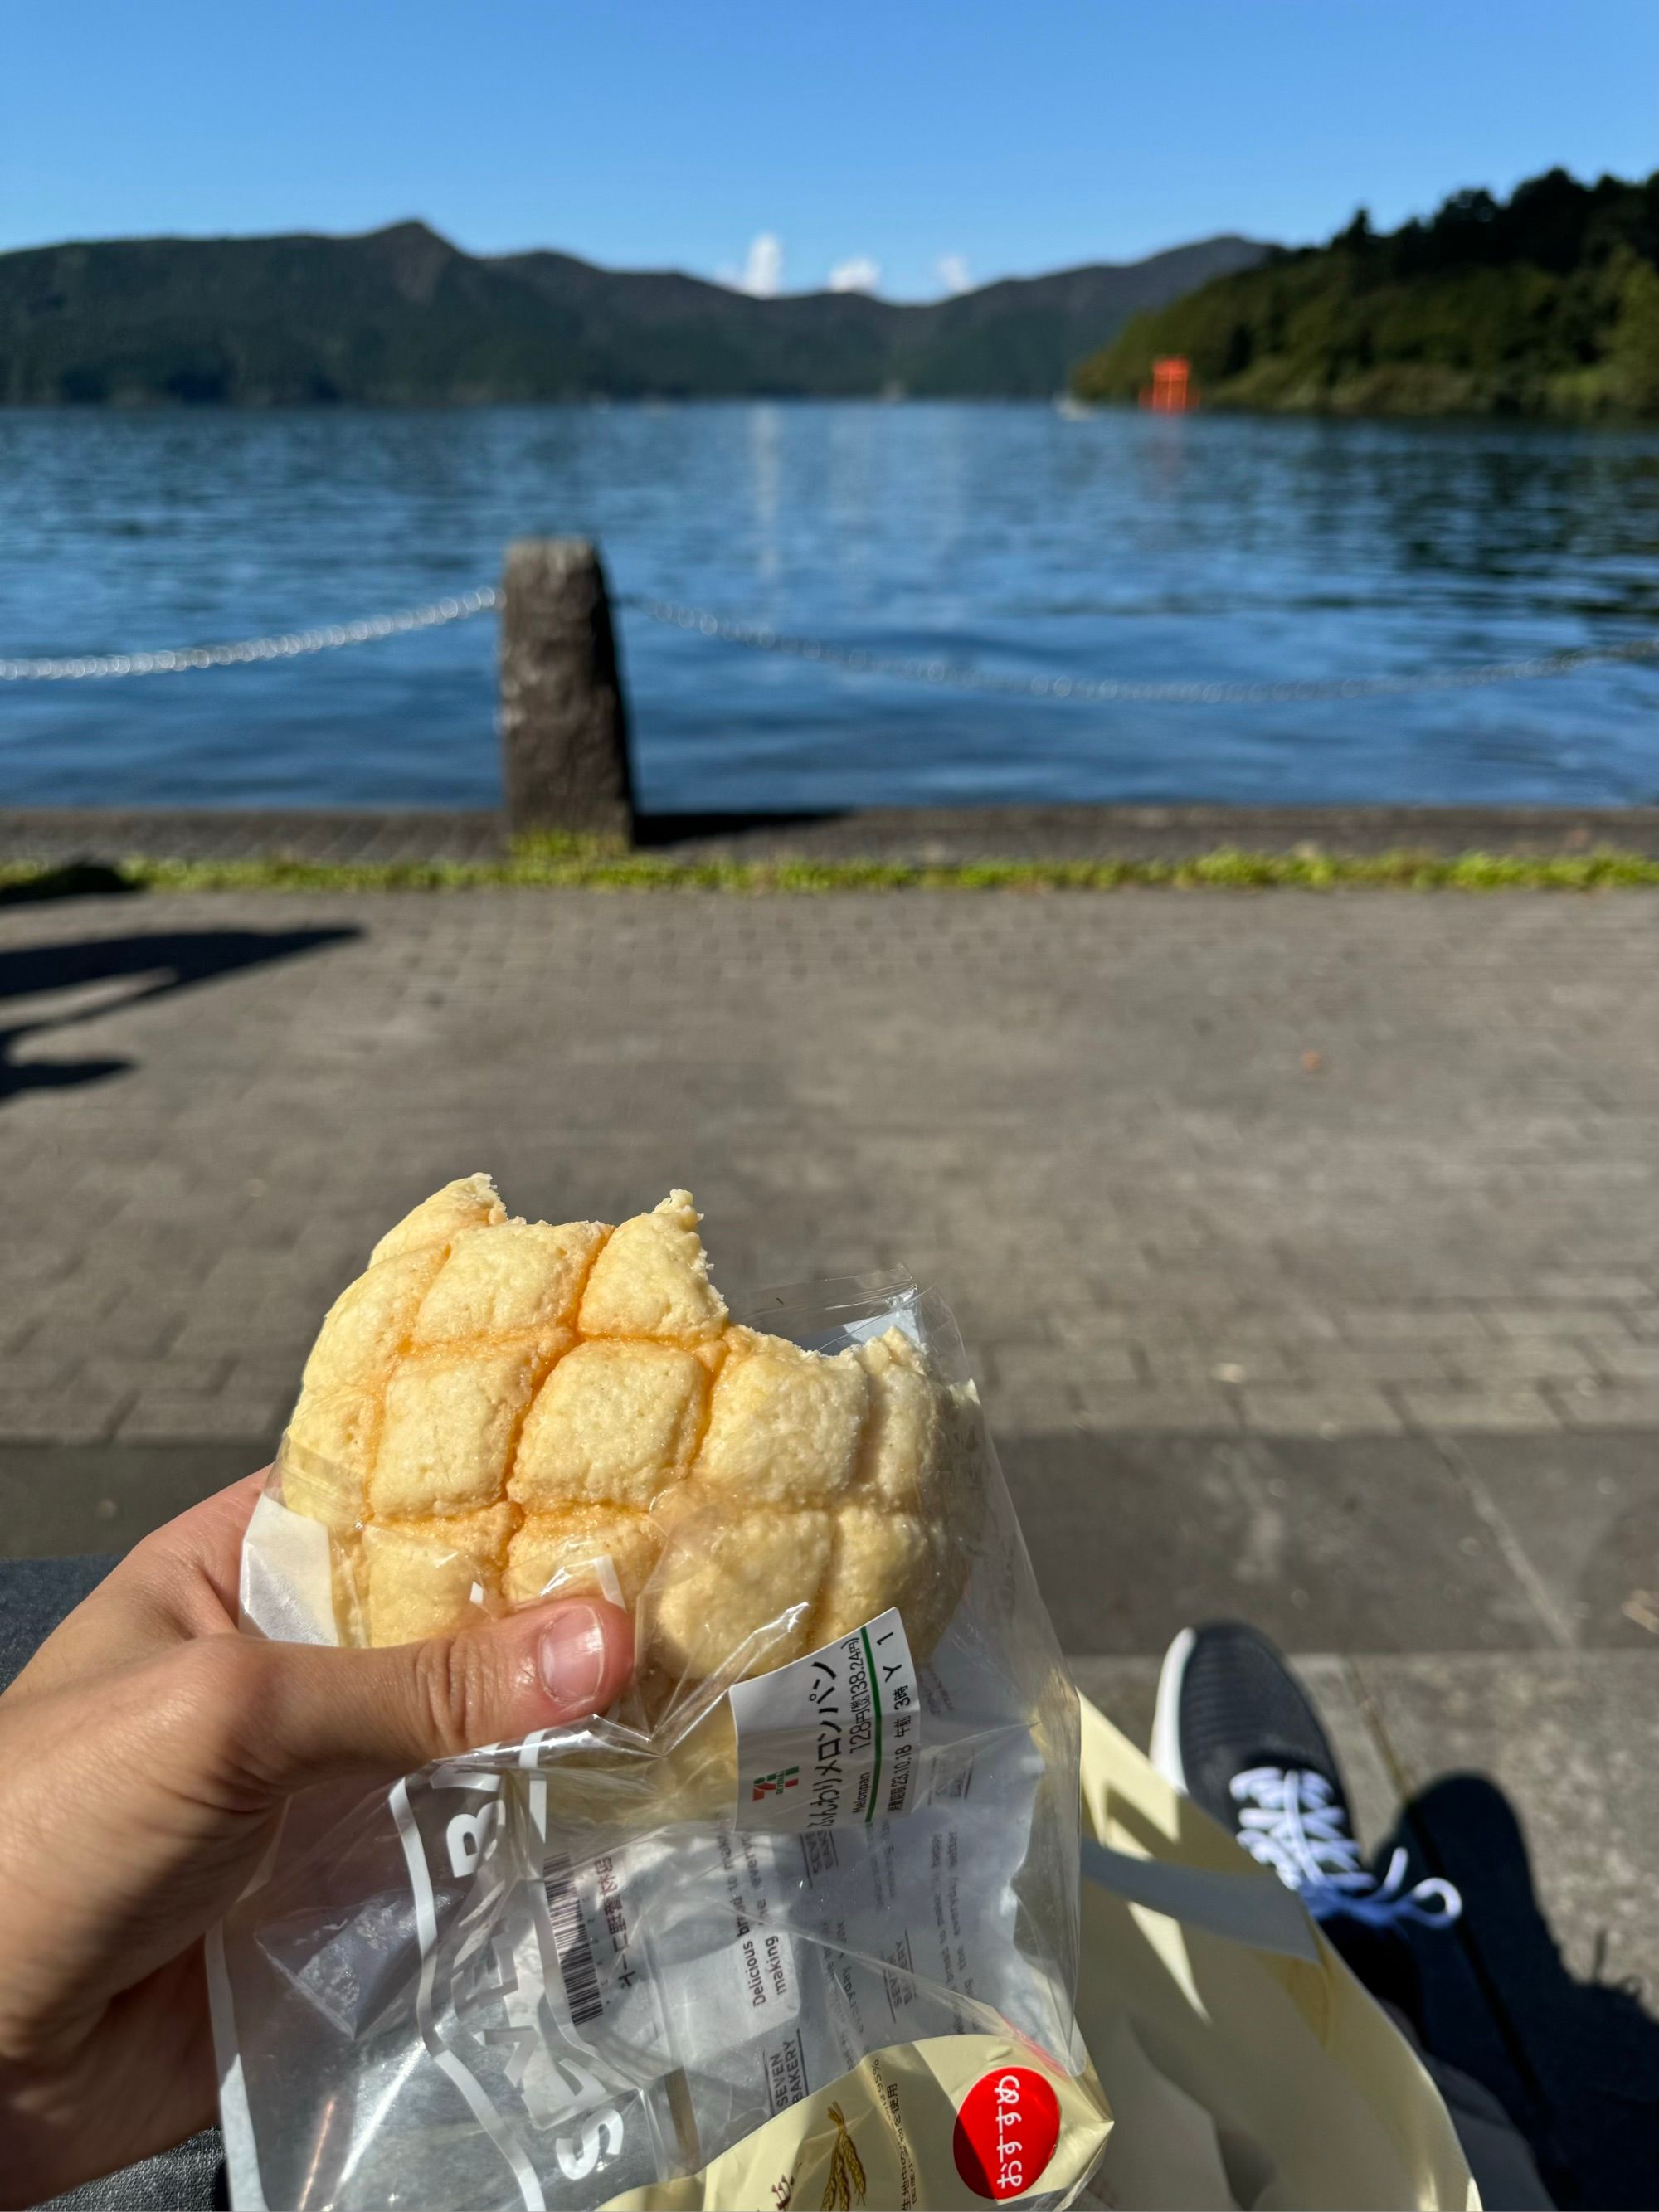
column 1117, row 545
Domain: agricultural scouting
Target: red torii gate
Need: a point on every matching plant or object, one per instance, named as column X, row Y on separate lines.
column 1171, row 390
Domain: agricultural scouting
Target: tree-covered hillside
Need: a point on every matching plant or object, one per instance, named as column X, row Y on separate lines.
column 1548, row 304
column 403, row 317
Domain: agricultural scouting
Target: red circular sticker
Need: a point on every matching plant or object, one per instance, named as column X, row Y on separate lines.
column 1007, row 2131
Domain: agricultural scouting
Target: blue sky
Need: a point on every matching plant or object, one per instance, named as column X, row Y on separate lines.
column 911, row 145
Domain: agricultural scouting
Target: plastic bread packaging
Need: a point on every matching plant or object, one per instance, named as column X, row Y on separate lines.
column 796, row 1922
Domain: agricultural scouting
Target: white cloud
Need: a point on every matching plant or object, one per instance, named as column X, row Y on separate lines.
column 953, row 272
column 859, row 273
column 762, row 271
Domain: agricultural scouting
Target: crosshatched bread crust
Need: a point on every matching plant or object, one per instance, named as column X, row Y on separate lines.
column 785, row 1424
column 551, row 1553
column 616, row 1421
column 418, row 1576
column 652, row 1279
column 522, row 1275
column 494, row 1407
column 451, row 1423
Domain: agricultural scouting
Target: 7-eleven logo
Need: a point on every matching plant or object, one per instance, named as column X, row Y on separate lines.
column 772, row 1785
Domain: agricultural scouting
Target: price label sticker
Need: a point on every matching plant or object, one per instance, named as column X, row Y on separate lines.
column 833, row 1739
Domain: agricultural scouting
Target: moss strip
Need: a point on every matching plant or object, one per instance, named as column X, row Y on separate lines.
column 569, row 865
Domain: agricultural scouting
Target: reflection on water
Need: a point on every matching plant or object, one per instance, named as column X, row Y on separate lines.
column 766, row 479
column 1118, row 545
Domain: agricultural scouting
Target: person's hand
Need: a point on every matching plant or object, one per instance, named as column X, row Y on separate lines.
column 145, row 1754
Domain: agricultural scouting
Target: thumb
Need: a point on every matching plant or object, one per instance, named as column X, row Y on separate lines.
column 325, row 1714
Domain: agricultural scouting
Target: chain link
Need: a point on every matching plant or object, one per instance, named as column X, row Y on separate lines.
column 958, row 676
column 287, row 647
column 857, row 660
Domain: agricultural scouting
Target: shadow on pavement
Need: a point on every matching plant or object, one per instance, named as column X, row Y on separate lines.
column 74, row 879
column 1576, row 2064
column 153, row 965
column 652, row 830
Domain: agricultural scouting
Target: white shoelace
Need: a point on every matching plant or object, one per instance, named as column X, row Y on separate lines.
column 1291, row 1819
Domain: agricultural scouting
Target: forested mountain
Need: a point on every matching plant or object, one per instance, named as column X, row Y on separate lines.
column 1546, row 304
column 401, row 316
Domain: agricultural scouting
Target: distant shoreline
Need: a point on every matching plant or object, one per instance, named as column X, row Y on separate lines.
column 660, row 403
column 1545, row 306
column 402, row 317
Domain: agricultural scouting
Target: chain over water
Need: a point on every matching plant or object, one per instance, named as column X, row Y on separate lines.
column 289, row 645
column 851, row 660
column 959, row 676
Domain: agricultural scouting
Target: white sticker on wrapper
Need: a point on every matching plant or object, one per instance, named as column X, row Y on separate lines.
column 764, row 1966
column 831, row 1739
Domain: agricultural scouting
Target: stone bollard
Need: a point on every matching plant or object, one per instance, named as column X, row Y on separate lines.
column 564, row 722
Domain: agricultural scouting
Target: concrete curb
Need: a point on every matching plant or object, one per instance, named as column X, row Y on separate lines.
column 54, row 836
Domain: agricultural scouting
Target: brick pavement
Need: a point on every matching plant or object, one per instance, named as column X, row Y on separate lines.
column 1297, row 1165
column 1308, row 1245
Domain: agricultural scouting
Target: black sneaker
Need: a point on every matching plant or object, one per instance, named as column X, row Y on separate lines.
column 1236, row 1733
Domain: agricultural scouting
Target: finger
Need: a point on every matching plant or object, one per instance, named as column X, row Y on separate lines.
column 304, row 1713
column 197, row 1557
column 179, row 1582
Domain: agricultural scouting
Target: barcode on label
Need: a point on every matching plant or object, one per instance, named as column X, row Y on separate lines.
column 570, row 1943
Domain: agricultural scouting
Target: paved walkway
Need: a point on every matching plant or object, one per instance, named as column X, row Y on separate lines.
column 1291, row 1165
column 1309, row 1247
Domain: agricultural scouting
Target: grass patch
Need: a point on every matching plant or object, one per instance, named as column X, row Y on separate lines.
column 570, row 865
